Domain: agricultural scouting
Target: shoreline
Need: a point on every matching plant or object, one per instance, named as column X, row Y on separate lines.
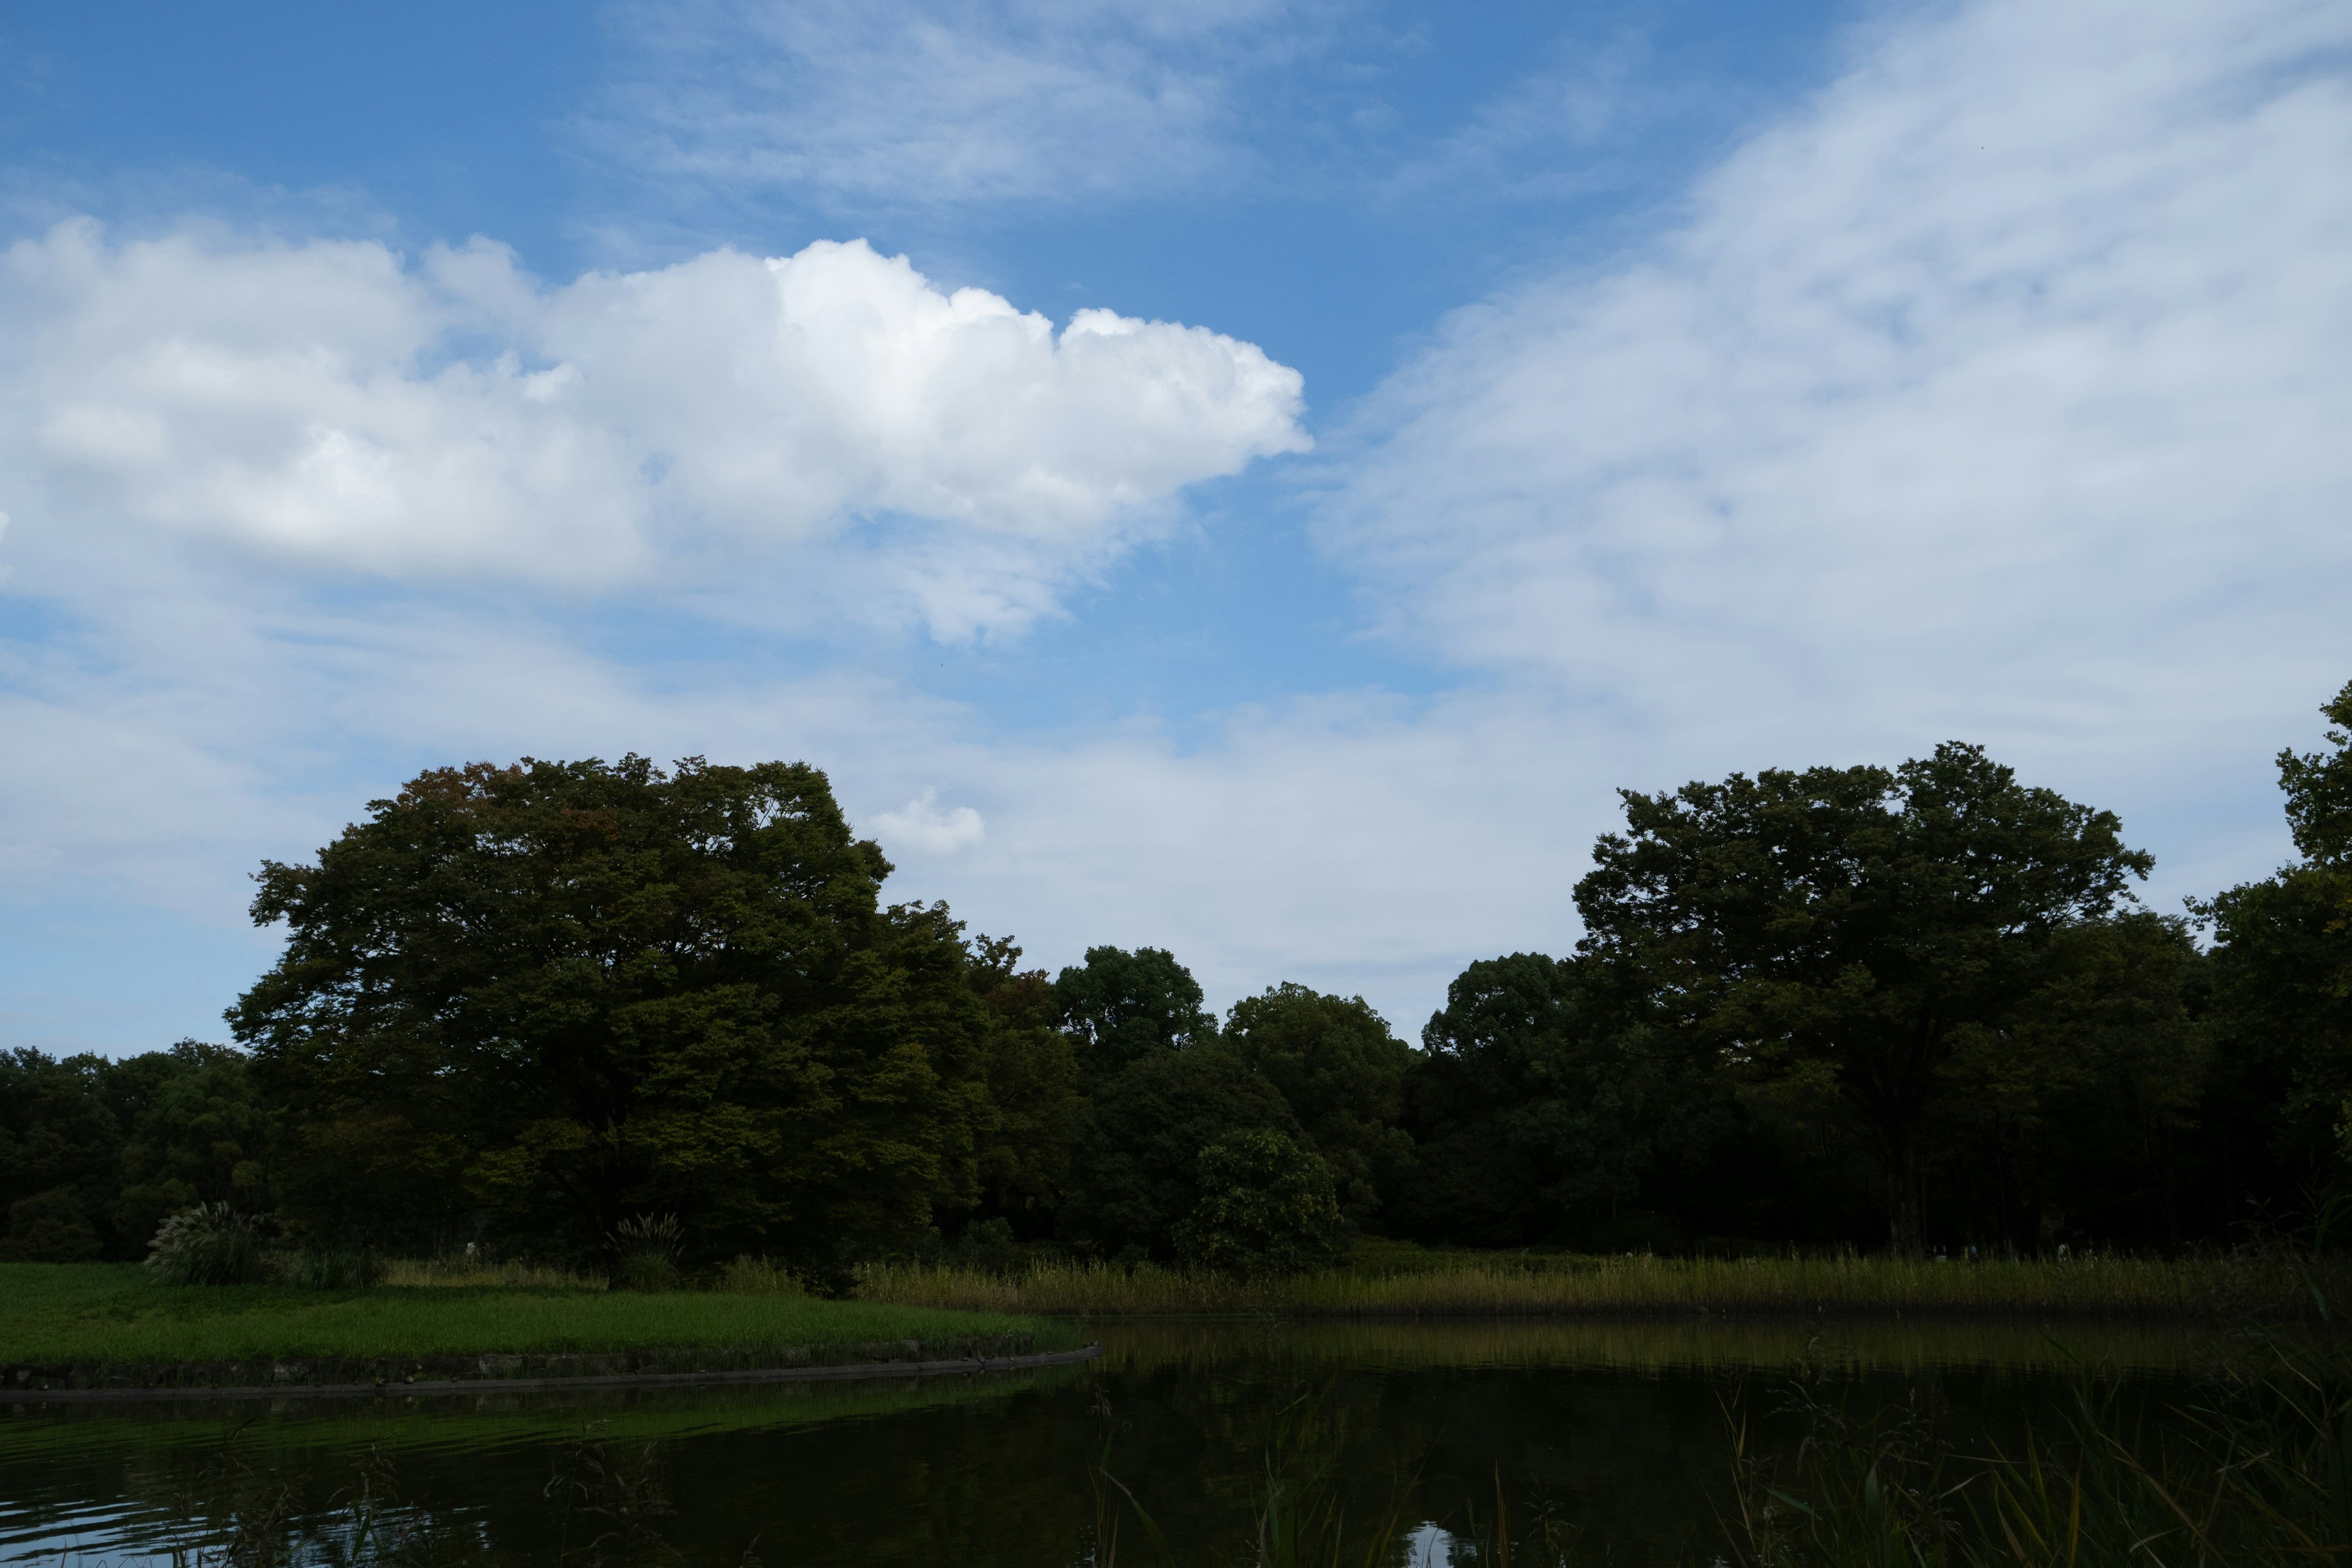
column 15, row 1393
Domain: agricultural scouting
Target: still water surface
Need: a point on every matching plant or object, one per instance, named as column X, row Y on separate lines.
column 1612, row 1435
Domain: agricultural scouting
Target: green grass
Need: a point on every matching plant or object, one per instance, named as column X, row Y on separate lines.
column 1392, row 1281
column 113, row 1314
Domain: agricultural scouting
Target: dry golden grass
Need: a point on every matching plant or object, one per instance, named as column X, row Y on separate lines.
column 466, row 1271
column 1507, row 1286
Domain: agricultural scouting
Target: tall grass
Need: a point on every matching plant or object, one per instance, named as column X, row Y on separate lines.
column 457, row 1270
column 1509, row 1286
column 2254, row 1472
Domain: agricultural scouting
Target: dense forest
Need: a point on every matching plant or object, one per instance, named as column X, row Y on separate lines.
column 528, row 1007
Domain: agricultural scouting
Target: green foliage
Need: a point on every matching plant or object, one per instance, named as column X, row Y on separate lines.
column 2077, row 1101
column 1036, row 1087
column 749, row 1276
column 1136, row 1173
column 552, row 995
column 1541, row 1110
column 208, row 1244
column 49, row 1227
column 2281, row 981
column 111, row 1147
column 350, row 1269
column 986, row 1244
column 1123, row 1006
column 2319, row 787
column 2256, row 1470
column 1850, row 919
column 1265, row 1209
column 1335, row 1063
column 645, row 1251
column 195, row 1132
column 58, row 1136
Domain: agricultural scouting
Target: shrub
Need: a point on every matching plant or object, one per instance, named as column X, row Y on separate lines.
column 49, row 1227
column 210, row 1244
column 984, row 1245
column 645, row 1251
column 1266, row 1208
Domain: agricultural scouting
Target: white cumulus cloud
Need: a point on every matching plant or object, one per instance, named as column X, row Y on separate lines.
column 925, row 827
column 327, row 402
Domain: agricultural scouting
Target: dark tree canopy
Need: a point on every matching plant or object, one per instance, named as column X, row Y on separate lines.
column 2283, row 965
column 2319, row 787
column 1136, row 1175
column 1266, row 1209
column 1035, row 1085
column 1540, row 1108
column 539, row 1005
column 1851, row 919
column 2074, row 1107
column 1120, row 1005
column 1343, row 1074
column 552, row 996
column 94, row 1153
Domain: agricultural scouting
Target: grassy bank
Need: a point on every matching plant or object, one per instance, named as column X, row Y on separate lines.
column 1512, row 1285
column 113, row 1314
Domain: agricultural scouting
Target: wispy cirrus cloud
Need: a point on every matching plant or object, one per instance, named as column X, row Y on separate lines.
column 944, row 103
column 1995, row 391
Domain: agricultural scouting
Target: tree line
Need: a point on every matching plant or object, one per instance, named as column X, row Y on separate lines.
column 527, row 1006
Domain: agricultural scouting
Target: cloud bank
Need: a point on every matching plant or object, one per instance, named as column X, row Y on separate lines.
column 327, row 405
column 1999, row 390
column 1995, row 392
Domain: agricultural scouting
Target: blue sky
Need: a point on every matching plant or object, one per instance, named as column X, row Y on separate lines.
column 1251, row 478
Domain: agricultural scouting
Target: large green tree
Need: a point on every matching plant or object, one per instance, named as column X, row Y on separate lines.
column 1266, row 1209
column 1136, row 1172
column 2073, row 1113
column 60, row 1157
column 1118, row 1005
column 552, row 996
column 1036, row 1087
column 1850, row 923
column 193, row 1132
column 94, row 1153
column 1342, row 1073
column 1542, row 1113
column 2283, row 970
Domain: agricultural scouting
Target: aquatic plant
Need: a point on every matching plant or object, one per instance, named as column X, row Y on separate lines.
column 2255, row 1470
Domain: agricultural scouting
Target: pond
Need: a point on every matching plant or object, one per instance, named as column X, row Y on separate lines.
column 1400, row 1441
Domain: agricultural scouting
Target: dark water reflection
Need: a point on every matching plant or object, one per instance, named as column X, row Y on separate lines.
column 1612, row 1435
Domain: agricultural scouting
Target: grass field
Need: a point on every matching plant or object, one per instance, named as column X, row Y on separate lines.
column 113, row 1314
column 1387, row 1280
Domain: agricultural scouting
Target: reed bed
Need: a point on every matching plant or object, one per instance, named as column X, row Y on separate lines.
column 1511, row 1286
column 1311, row 1347
column 459, row 1272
